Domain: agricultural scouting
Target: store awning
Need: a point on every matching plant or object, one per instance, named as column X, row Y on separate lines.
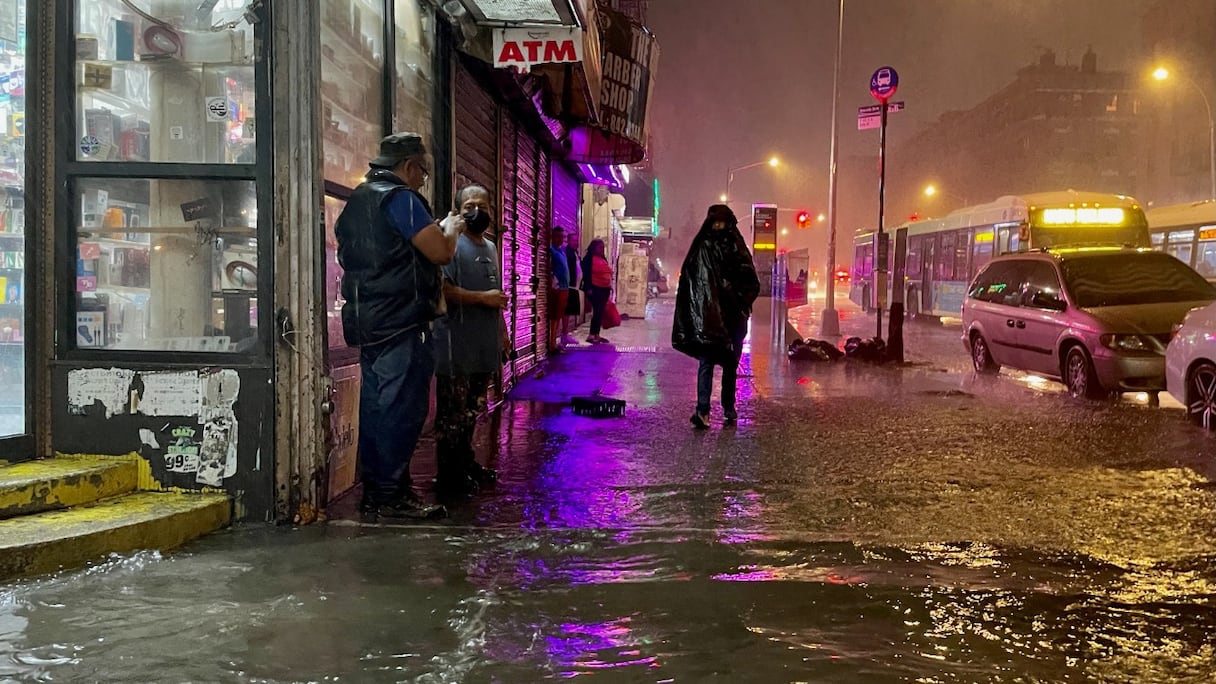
column 524, row 12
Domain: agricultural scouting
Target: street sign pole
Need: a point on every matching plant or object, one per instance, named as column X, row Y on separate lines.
column 883, row 85
column 880, row 247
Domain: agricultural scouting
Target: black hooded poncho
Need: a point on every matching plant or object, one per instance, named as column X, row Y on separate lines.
column 718, row 285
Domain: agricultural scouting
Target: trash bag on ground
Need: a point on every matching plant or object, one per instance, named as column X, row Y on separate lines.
column 813, row 350
column 870, row 350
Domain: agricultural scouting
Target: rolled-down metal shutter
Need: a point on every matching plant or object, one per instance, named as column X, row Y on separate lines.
column 476, row 130
column 524, row 213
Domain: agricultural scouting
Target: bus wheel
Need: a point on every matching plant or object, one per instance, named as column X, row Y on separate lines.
column 1079, row 375
column 981, row 358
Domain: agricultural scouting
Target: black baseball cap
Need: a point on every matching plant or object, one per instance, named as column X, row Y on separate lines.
column 398, row 147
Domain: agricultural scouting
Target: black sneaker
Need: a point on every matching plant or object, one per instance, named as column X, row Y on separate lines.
column 408, row 506
column 699, row 421
column 730, row 416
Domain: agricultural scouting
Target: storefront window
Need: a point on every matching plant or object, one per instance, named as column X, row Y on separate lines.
column 414, row 75
column 12, row 219
column 164, row 81
column 166, row 264
column 352, row 72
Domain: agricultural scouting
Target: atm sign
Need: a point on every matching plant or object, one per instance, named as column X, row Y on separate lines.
column 522, row 48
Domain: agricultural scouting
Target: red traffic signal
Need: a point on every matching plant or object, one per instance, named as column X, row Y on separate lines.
column 804, row 219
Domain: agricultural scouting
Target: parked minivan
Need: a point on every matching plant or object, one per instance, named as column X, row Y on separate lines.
column 1099, row 319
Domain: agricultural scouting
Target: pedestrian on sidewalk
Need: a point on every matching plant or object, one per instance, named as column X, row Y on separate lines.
column 390, row 248
column 574, row 308
column 597, row 283
column 718, row 285
column 470, row 341
column 559, row 285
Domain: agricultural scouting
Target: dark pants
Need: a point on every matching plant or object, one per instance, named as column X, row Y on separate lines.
column 393, row 405
column 598, row 298
column 459, row 399
column 730, row 377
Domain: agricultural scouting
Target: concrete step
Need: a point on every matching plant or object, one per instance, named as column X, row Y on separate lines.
column 64, row 539
column 56, row 483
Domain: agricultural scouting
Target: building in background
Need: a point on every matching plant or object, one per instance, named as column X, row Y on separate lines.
column 1056, row 126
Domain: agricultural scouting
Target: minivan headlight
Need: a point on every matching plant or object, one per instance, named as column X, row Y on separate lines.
column 1128, row 343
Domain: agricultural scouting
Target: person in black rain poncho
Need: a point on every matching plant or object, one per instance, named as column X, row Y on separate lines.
column 718, row 286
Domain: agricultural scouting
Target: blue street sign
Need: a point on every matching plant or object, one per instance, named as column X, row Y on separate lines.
column 884, row 83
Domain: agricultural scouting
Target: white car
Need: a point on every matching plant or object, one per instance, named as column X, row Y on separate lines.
column 1190, row 366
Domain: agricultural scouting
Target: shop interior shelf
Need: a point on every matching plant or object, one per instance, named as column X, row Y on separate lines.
column 160, row 230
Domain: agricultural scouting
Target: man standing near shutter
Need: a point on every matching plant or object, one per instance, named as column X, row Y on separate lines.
column 390, row 248
column 471, row 342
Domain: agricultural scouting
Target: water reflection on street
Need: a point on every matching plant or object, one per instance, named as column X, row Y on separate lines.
column 859, row 525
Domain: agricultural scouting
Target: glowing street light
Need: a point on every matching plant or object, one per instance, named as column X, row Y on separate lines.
column 932, row 190
column 821, row 218
column 722, row 198
column 1163, row 74
column 730, row 174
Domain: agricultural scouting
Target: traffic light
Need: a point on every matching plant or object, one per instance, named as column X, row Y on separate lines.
column 804, row 219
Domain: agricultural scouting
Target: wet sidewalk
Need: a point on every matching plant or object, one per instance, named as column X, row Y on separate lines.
column 859, row 524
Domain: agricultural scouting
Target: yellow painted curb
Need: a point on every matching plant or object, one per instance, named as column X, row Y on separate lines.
column 54, row 483
column 56, row 540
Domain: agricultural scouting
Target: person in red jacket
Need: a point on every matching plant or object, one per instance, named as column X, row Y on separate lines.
column 597, row 283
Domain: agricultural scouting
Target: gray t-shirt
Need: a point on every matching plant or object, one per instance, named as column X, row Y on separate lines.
column 468, row 339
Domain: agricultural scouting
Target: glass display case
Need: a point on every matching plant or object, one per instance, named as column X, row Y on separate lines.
column 12, row 220
column 164, row 81
column 166, row 265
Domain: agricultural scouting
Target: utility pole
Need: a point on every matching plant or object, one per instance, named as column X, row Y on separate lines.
column 830, row 323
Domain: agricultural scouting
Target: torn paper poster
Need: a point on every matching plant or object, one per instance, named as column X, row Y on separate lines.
column 220, row 388
column 148, row 438
column 181, row 455
column 110, row 386
column 217, row 458
column 170, row 393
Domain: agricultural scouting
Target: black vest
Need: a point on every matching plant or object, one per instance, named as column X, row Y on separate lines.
column 389, row 285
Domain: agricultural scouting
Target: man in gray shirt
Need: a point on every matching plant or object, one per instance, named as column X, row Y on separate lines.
column 470, row 344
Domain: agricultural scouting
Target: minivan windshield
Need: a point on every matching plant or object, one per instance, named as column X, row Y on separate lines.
column 1132, row 278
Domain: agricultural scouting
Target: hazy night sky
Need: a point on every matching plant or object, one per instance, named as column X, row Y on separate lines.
column 740, row 80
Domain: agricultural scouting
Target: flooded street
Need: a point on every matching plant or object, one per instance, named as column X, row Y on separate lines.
column 859, row 525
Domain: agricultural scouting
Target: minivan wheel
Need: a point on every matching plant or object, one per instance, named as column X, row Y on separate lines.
column 1201, row 396
column 1079, row 375
column 981, row 357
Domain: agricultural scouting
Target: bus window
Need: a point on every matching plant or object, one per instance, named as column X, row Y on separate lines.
column 945, row 257
column 912, row 264
column 962, row 247
column 1181, row 245
column 1205, row 261
column 982, row 252
column 1158, row 240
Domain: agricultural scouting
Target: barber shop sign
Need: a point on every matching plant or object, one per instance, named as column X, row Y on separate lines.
column 521, row 48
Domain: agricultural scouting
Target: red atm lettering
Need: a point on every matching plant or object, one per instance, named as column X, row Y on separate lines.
column 560, row 52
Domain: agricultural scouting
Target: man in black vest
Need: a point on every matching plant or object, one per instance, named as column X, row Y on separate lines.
column 390, row 248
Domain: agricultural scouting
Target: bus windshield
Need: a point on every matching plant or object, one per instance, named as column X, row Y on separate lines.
column 1133, row 278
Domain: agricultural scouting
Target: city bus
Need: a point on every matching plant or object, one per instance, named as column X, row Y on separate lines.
column 1188, row 231
column 943, row 255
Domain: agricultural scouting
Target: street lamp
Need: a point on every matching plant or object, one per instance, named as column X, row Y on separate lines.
column 730, row 174
column 932, row 190
column 830, row 322
column 1163, row 74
